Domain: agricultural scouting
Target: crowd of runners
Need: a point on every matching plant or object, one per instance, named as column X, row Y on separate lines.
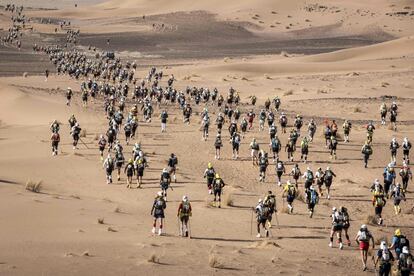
column 129, row 102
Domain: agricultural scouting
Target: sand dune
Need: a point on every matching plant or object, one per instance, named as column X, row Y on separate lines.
column 78, row 224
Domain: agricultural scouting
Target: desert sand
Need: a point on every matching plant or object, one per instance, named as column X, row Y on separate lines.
column 324, row 59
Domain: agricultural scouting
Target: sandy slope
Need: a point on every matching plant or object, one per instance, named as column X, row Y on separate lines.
column 49, row 233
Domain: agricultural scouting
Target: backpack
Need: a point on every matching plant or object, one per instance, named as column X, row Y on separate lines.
column 363, row 236
column 185, row 208
column 314, row 198
column 292, row 191
column 379, row 201
column 385, row 256
column 328, row 175
column 403, row 241
column 271, row 202
column 255, row 146
column 309, row 176
column 159, row 203
column 405, row 262
column 367, row 150
column 275, row 144
column 217, row 184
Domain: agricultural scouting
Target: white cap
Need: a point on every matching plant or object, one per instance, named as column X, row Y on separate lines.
column 363, row 226
column 383, row 245
column 185, row 198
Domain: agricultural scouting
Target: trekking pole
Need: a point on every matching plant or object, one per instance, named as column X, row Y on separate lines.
column 251, row 224
column 189, row 228
column 277, row 220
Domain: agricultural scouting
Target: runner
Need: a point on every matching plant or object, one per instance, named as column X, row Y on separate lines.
column 363, row 238
column 218, row 185
column 406, row 175
column 290, row 191
column 347, row 129
column 165, row 181
column 367, row 152
column 328, row 178
column 263, row 163
column 184, row 213
column 406, row 150
column 172, row 166
column 378, row 201
column 157, row 211
column 270, row 202
column 109, row 167
column 385, row 258
column 130, row 172
column 337, row 225
column 254, row 147
column 235, row 142
column 405, row 262
column 209, row 174
column 55, row 138
column 280, row 170
column 262, row 215
column 304, row 145
column 101, row 145
column 398, row 194
column 218, row 144
column 312, row 198
column 399, row 241
column 296, row 174
column 275, row 147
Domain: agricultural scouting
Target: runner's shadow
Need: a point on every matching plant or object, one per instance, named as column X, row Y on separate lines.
column 220, row 239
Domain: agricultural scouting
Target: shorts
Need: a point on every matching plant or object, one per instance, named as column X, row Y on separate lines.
column 305, row 151
column 263, row 169
column 210, row 181
column 254, row 153
column 337, row 228
column 140, row 172
column 217, row 193
column 184, row 218
column 236, row 147
column 130, row 174
column 378, row 210
column 290, row 198
column 363, row 245
column 159, row 216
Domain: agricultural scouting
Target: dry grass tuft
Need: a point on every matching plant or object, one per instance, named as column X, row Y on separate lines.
column 101, row 220
column 371, row 220
column 86, row 254
column 153, row 258
column 110, row 229
column 357, row 109
column 213, row 261
column 288, row 93
column 34, row 186
column 117, row 210
column 83, row 133
column 75, row 196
